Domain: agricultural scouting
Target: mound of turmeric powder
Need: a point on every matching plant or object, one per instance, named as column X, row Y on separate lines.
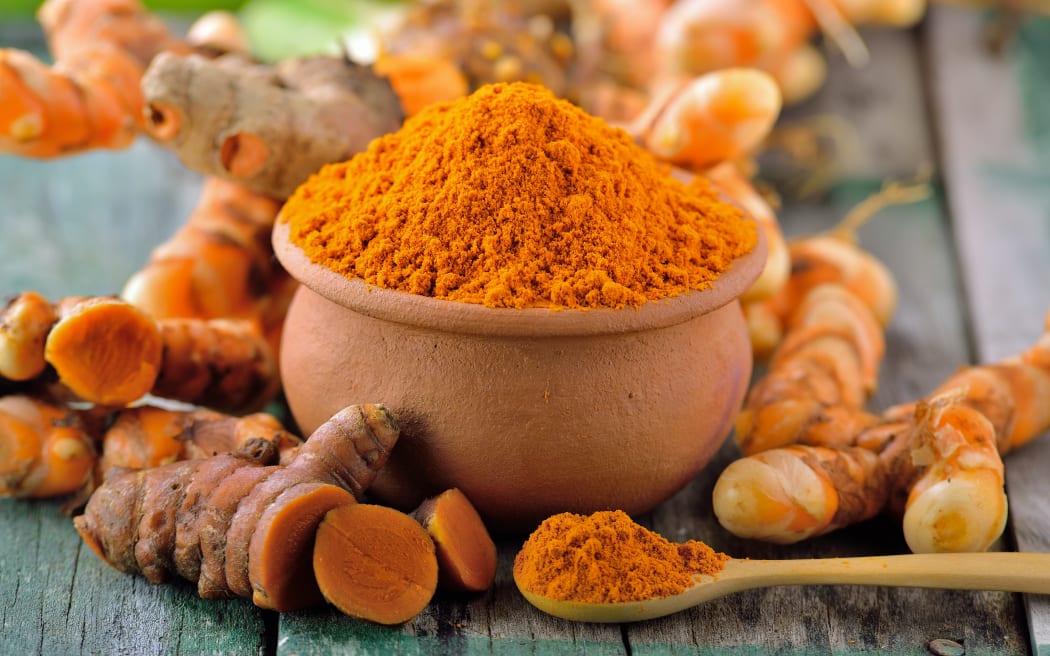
column 511, row 197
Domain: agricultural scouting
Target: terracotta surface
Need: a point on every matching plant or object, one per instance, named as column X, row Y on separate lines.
column 528, row 412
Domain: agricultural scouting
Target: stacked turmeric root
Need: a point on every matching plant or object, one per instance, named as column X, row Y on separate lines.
column 816, row 460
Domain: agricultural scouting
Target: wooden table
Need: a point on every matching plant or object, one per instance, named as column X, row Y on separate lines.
column 974, row 270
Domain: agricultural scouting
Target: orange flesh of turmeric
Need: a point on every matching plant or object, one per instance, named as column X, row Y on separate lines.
column 106, row 351
column 280, row 553
column 465, row 550
column 375, row 563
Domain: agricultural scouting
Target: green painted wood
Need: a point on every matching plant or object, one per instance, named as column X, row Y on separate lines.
column 82, row 225
column 993, row 113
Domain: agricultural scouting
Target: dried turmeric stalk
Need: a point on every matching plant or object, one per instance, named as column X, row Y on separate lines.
column 318, row 110
column 465, row 551
column 90, row 97
column 45, row 450
column 247, row 528
column 375, row 563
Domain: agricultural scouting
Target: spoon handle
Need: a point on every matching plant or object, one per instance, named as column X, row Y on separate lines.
column 1015, row 572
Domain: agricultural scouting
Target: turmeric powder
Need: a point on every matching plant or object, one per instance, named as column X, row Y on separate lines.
column 606, row 557
column 511, row 197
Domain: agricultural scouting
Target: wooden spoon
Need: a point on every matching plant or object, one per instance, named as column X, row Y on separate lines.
column 1014, row 572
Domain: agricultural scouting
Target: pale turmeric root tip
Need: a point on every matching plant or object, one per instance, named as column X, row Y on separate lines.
column 375, row 563
column 219, row 32
column 147, row 436
column 717, row 117
column 24, row 325
column 465, row 550
column 106, row 351
column 223, row 364
column 280, row 553
column 45, row 450
column 318, row 110
column 797, row 492
column 952, row 475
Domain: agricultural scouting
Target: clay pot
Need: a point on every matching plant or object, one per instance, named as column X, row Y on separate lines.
column 529, row 412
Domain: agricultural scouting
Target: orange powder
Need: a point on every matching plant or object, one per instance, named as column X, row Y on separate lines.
column 511, row 197
column 607, row 557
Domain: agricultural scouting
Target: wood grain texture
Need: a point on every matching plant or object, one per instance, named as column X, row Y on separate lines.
column 993, row 117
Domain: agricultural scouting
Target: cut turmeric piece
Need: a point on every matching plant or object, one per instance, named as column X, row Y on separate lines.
column 106, row 351
column 465, row 550
column 375, row 563
column 279, row 555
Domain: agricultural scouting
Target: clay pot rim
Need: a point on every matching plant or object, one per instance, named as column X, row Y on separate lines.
column 470, row 318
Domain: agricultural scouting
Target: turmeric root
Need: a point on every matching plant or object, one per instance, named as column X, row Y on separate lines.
column 45, row 450
column 90, row 97
column 147, row 436
column 241, row 536
column 218, row 265
column 222, row 364
column 318, row 110
column 375, row 563
column 819, row 379
column 796, row 492
column 949, row 485
column 717, row 117
column 941, row 456
column 24, row 325
column 465, row 551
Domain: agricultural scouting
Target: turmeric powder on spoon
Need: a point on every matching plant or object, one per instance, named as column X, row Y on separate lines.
column 606, row 557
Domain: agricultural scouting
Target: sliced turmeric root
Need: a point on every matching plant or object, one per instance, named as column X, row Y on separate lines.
column 104, row 350
column 375, row 563
column 279, row 555
column 465, row 550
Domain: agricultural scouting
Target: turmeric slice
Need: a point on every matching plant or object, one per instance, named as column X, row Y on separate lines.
column 280, row 551
column 104, row 350
column 465, row 551
column 375, row 563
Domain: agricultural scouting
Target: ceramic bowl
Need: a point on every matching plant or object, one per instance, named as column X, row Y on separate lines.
column 529, row 412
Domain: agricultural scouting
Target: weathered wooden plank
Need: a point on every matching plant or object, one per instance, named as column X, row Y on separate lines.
column 992, row 112
column 82, row 225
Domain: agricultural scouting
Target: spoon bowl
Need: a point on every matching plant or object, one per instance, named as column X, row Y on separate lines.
column 1008, row 571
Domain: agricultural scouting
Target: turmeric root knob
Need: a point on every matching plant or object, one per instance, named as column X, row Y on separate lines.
column 105, row 350
column 44, row 450
column 375, row 563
